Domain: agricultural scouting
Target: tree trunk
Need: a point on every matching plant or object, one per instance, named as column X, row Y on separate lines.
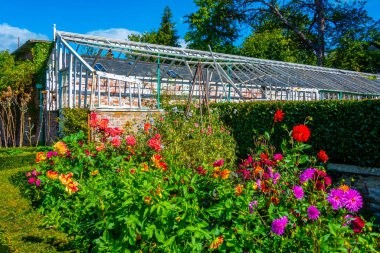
column 320, row 50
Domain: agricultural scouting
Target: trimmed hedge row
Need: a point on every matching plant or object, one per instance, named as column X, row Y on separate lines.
column 349, row 131
column 17, row 157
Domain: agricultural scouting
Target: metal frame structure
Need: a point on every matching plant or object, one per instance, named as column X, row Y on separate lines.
column 97, row 72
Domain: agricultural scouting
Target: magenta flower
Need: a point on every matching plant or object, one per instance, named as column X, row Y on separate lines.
column 277, row 157
column 38, row 182
column 352, row 200
column 31, row 180
column 278, row 225
column 258, row 182
column 336, row 198
column 50, row 154
column 218, row 163
column 306, row 175
column 276, row 177
column 253, row 203
column 313, row 213
column 298, row 192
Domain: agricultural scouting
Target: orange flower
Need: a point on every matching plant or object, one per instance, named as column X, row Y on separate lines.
column 145, row 167
column 65, row 179
column 40, row 156
column 258, row 171
column 216, row 172
column 147, row 126
column 275, row 200
column 100, row 147
column 147, row 200
column 72, row 187
column 60, row 147
column 94, row 173
column 216, row 242
column 52, row 174
column 225, row 174
column 344, row 187
column 255, row 186
column 238, row 190
column 264, row 186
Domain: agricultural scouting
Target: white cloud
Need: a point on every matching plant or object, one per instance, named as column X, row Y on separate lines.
column 9, row 36
column 115, row 33
column 182, row 43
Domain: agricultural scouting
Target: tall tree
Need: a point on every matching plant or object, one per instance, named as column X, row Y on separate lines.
column 215, row 23
column 165, row 35
column 319, row 24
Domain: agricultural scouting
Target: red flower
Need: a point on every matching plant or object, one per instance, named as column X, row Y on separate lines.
column 327, row 181
column 218, row 163
column 103, row 124
column 201, row 171
column 320, row 186
column 322, row 156
column 357, row 224
column 301, row 133
column 264, row 156
column 131, row 140
column 116, row 142
column 155, row 144
column 278, row 116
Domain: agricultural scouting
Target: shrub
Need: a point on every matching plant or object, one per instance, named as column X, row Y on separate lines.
column 74, row 120
column 122, row 192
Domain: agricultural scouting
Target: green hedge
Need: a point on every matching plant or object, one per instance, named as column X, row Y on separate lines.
column 17, row 157
column 349, row 131
column 74, row 120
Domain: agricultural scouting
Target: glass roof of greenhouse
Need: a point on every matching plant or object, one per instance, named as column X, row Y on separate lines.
column 141, row 60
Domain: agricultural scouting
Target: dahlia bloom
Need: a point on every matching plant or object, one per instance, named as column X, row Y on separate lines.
column 130, row 140
column 147, row 127
column 216, row 242
column 218, row 163
column 40, row 156
column 225, row 174
column 103, row 124
column 336, row 198
column 298, row 192
column 50, row 154
column 306, row 175
column 278, row 116
column 322, row 156
column 52, row 174
column 357, row 224
column 301, row 133
column 277, row 157
column 278, row 225
column 352, row 200
column 60, row 147
column 313, row 213
column 155, row 144
column 116, row 142
column 238, row 190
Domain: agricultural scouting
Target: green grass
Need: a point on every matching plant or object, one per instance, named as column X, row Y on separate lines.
column 20, row 225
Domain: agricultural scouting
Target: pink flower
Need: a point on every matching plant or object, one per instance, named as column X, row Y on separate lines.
column 306, row 175
column 298, row 192
column 352, row 200
column 277, row 157
column 31, row 180
column 278, row 225
column 313, row 213
column 336, row 198
column 38, row 182
column 251, row 204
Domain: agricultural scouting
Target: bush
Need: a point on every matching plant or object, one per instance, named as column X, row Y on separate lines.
column 194, row 140
column 74, row 120
column 348, row 130
column 121, row 193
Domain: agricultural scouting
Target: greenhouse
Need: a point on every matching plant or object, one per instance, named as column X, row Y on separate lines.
column 97, row 72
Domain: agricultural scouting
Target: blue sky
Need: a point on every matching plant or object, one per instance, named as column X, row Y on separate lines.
column 112, row 18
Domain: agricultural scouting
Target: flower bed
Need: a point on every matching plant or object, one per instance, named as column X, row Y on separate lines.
column 123, row 191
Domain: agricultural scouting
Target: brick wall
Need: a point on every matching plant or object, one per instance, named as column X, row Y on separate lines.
column 119, row 118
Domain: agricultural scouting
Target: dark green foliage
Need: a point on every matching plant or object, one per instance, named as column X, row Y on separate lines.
column 347, row 130
column 74, row 120
column 17, row 157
